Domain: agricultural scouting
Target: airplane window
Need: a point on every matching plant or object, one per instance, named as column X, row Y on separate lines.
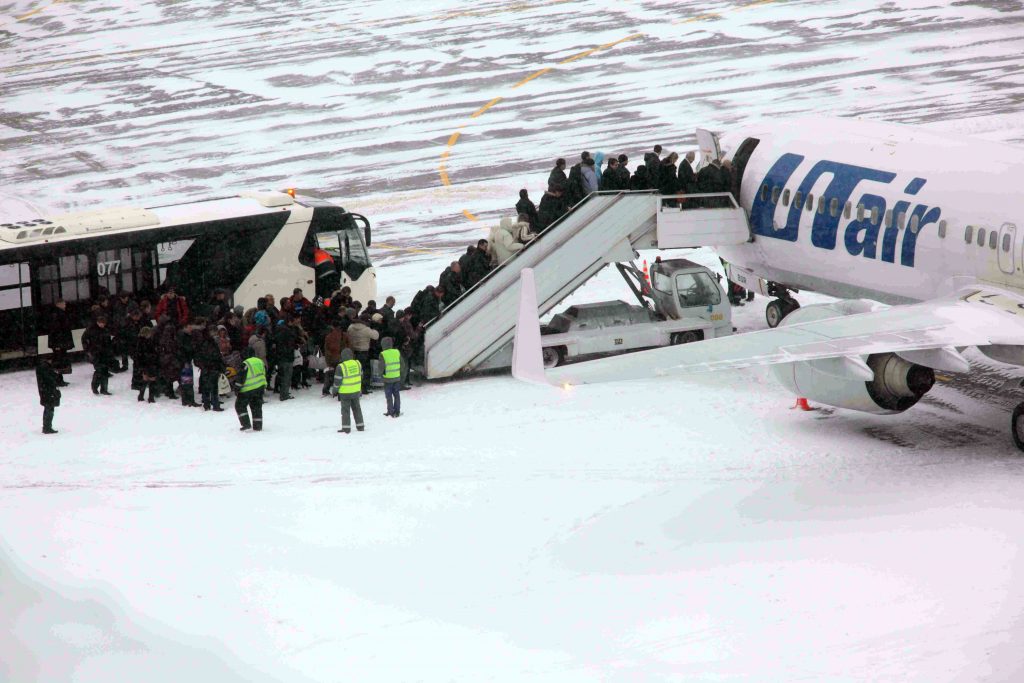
column 1006, row 243
column 810, row 202
column 860, row 212
column 821, row 206
column 981, row 237
column 942, row 229
column 798, row 200
column 764, row 192
column 785, row 198
column 775, row 194
column 915, row 222
column 833, row 207
column 888, row 218
column 901, row 220
column 849, row 206
column 874, row 215
column 992, row 239
column 968, row 234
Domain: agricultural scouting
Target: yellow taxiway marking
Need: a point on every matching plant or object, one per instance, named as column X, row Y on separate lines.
column 443, row 166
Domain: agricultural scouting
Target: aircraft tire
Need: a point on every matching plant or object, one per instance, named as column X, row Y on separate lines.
column 775, row 312
column 1017, row 426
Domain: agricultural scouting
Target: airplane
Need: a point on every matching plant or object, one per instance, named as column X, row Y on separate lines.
column 916, row 234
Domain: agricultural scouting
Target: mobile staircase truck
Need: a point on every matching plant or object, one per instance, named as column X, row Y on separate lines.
column 476, row 331
column 687, row 304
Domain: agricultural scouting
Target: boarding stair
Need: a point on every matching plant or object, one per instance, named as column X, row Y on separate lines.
column 476, row 331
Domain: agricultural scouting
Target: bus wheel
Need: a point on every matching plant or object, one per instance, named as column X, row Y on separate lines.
column 553, row 356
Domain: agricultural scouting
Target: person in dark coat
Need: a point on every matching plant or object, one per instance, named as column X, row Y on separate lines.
column 687, row 178
column 118, row 320
column 284, row 356
column 479, row 264
column 186, row 355
column 622, row 173
column 211, row 365
column 99, row 345
column 451, row 282
column 133, row 324
column 668, row 181
column 552, row 207
column 219, row 306
column 575, row 189
column 526, row 206
column 146, row 360
column 47, row 379
column 429, row 304
column 610, row 177
column 60, row 339
column 652, row 160
column 388, row 309
column 640, row 181
column 708, row 181
column 167, row 348
column 557, row 177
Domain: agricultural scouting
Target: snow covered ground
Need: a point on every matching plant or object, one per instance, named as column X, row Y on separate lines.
column 689, row 529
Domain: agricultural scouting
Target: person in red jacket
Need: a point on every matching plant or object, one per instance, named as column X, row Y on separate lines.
column 174, row 306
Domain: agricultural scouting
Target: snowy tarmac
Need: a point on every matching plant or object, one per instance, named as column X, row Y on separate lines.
column 652, row 530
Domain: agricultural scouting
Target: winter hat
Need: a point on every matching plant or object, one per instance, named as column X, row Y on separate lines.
column 239, row 310
column 346, row 354
column 387, row 343
column 376, row 317
column 261, row 318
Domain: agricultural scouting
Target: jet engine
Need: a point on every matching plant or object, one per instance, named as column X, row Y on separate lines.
column 881, row 383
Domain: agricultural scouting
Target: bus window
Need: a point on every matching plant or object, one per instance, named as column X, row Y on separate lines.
column 16, row 314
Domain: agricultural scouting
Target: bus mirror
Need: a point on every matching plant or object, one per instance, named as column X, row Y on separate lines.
column 366, row 234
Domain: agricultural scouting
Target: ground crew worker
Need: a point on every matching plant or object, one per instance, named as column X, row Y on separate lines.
column 348, row 385
column 47, row 380
column 391, row 358
column 251, row 381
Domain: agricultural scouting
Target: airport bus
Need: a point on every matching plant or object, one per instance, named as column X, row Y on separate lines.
column 249, row 245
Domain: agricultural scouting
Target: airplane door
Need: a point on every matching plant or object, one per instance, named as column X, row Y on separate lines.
column 1007, row 247
column 709, row 147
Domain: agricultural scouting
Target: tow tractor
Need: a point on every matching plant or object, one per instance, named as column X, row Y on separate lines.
column 684, row 302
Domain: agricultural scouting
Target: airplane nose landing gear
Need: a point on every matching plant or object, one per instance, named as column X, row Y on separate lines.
column 779, row 309
column 1017, row 426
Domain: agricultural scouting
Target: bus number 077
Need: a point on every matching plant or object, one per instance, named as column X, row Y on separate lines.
column 108, row 268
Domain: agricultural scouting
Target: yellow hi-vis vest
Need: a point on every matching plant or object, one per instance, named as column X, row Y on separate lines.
column 255, row 375
column 392, row 363
column 351, row 377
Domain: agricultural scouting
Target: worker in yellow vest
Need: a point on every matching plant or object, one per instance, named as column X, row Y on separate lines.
column 391, row 360
column 250, row 383
column 348, row 385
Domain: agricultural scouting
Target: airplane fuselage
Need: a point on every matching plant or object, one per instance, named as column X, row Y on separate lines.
column 880, row 211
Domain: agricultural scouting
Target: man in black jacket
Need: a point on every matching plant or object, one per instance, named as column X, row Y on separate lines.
column 575, row 190
column 49, row 395
column 552, row 207
column 284, row 356
column 99, row 346
column 479, row 264
column 211, row 365
column 60, row 339
column 526, row 206
column 557, row 176
column 451, row 282
column 652, row 160
column 687, row 179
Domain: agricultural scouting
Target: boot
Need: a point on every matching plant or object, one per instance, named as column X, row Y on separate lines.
column 244, row 421
column 49, row 430
column 142, row 395
column 344, row 431
column 95, row 385
column 103, row 386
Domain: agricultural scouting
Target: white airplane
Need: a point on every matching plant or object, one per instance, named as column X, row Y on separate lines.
column 915, row 232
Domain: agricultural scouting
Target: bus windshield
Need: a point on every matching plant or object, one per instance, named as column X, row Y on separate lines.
column 344, row 242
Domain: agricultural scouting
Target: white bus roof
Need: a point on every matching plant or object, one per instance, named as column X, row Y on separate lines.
column 69, row 226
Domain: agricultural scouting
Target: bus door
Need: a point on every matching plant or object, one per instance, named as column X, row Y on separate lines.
column 17, row 318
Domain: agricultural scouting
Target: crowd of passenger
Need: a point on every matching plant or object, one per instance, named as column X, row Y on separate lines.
column 670, row 175
column 188, row 355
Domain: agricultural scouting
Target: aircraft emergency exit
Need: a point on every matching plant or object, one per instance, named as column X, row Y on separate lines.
column 916, row 233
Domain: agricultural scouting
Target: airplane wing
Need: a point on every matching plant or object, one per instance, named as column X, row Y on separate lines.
column 927, row 333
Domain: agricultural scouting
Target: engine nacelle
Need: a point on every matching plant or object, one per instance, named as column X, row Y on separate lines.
column 897, row 384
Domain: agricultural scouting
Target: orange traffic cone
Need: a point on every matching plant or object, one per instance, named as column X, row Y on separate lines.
column 801, row 404
column 647, row 277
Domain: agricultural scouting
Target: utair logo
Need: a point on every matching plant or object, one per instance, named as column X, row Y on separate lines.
column 860, row 235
